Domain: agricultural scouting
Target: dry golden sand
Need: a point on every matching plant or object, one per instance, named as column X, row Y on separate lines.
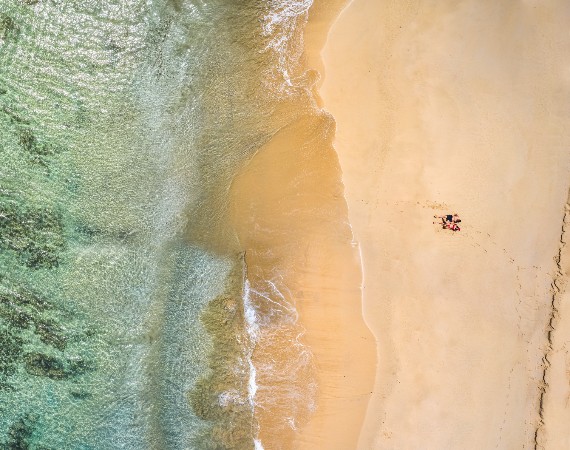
column 457, row 106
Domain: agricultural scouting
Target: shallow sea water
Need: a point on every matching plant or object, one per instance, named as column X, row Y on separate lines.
column 126, row 317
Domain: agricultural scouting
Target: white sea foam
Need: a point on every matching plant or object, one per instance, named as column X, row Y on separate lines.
column 252, row 385
column 253, row 331
column 252, row 328
column 281, row 26
column 228, row 397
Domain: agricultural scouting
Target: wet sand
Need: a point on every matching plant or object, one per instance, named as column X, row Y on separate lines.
column 446, row 107
column 290, row 217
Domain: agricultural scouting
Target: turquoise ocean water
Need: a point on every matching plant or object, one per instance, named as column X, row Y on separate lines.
column 125, row 320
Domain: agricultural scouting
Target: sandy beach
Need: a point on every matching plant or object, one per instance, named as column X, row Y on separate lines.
column 445, row 107
column 292, row 222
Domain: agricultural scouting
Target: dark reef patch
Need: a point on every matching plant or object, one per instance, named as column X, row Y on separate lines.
column 15, row 118
column 30, row 143
column 44, row 366
column 221, row 396
column 8, row 28
column 51, row 334
column 22, row 311
column 41, row 365
column 92, row 232
column 10, row 355
column 35, row 233
column 39, row 152
column 39, row 149
column 22, row 435
column 80, row 395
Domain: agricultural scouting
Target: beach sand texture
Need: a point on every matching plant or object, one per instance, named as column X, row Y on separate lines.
column 458, row 106
column 288, row 214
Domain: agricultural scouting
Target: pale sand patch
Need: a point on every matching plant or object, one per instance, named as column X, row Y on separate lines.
column 455, row 106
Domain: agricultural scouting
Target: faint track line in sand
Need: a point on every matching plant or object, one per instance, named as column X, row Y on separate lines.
column 558, row 284
column 507, row 405
column 523, row 303
column 557, row 288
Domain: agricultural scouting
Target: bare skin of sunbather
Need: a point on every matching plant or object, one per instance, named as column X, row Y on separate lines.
column 449, row 218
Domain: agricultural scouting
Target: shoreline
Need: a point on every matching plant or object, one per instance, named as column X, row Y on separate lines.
column 291, row 219
column 454, row 108
column 338, row 420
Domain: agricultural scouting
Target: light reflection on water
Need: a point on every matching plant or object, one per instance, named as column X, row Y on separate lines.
column 122, row 124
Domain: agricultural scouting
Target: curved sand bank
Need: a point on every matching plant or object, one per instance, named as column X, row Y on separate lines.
column 457, row 107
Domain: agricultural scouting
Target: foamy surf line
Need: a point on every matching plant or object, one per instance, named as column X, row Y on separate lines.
column 281, row 24
column 276, row 325
column 252, row 329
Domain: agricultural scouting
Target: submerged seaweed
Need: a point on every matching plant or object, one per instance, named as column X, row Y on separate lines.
column 35, row 233
column 42, row 365
column 30, row 143
column 21, row 435
column 22, row 311
column 51, row 334
column 10, row 355
column 221, row 396
column 8, row 28
column 14, row 117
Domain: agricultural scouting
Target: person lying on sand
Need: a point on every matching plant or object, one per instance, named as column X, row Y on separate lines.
column 449, row 222
column 449, row 218
column 451, row 226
